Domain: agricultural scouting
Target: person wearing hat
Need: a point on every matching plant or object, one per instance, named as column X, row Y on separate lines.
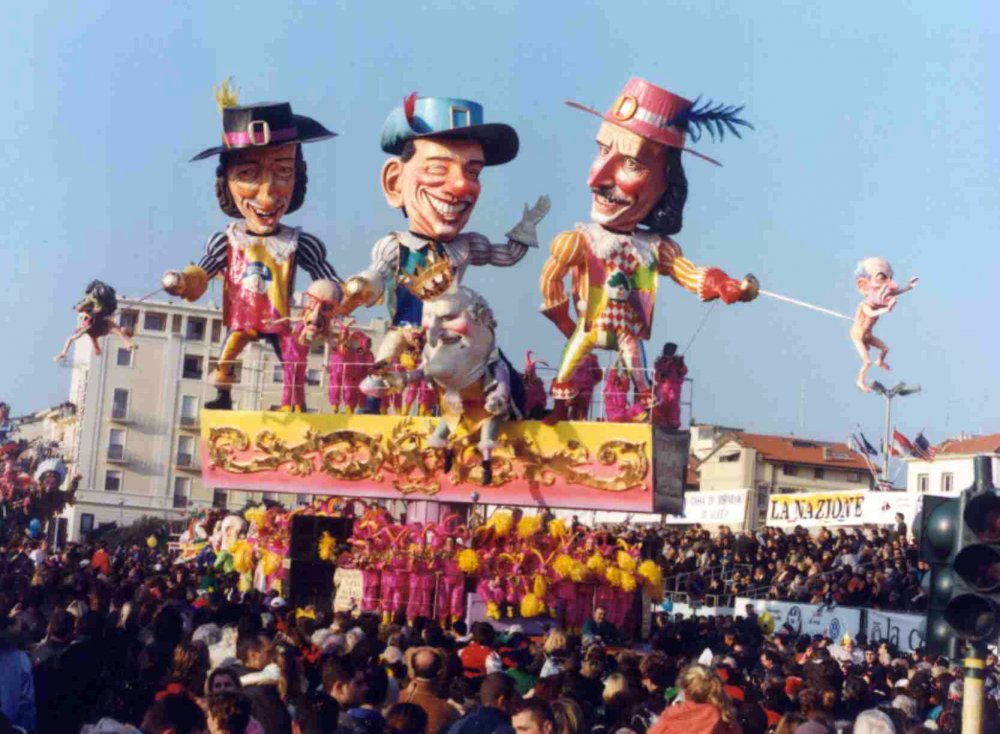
column 260, row 178
column 440, row 146
column 615, row 260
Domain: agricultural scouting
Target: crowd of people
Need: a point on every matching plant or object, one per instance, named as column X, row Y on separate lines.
column 125, row 640
column 870, row 567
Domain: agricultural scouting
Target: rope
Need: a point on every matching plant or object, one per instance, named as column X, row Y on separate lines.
column 697, row 331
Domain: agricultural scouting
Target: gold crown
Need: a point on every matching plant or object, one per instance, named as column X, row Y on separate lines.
column 430, row 280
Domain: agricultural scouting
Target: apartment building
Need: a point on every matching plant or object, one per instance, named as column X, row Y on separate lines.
column 952, row 468
column 778, row 465
column 138, row 443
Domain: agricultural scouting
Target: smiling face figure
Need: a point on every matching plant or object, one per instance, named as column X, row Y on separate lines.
column 261, row 182
column 459, row 337
column 627, row 178
column 438, row 185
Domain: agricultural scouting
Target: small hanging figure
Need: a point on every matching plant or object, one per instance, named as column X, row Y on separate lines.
column 873, row 277
column 98, row 306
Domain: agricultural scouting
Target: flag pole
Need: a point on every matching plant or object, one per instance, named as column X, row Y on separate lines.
column 885, row 445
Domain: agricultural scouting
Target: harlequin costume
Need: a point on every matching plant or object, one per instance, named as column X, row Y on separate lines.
column 615, row 274
column 258, row 271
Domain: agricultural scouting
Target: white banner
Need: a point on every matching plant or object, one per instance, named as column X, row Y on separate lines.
column 350, row 585
column 905, row 631
column 806, row 619
column 816, row 509
column 880, row 508
column 687, row 610
column 722, row 507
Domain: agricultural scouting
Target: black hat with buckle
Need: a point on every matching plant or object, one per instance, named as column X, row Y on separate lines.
column 264, row 125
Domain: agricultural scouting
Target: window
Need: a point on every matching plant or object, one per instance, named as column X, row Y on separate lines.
column 129, row 319
column 302, row 499
column 269, row 496
column 947, row 482
column 154, row 321
column 277, row 374
column 116, row 444
column 113, row 481
column 818, row 473
column 219, row 499
column 86, row 523
column 193, row 365
column 124, row 358
column 854, row 476
column 789, row 471
column 119, row 404
column 195, row 329
column 182, row 491
column 923, row 482
column 729, row 458
column 189, row 410
column 314, row 377
column 185, row 451
column 216, row 331
column 176, row 322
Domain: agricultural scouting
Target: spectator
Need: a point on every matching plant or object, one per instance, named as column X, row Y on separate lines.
column 497, row 697
column 17, row 688
column 427, row 668
column 474, row 654
column 228, row 713
column 705, row 709
column 256, row 652
column 407, row 718
column 174, row 714
column 532, row 716
column 599, row 629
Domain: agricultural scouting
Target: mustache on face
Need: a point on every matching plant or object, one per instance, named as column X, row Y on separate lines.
column 611, row 194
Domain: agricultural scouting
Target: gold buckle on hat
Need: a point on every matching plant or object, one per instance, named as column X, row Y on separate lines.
column 264, row 128
column 454, row 112
column 626, row 107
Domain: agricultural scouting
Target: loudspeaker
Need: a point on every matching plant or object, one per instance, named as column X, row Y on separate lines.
column 310, row 579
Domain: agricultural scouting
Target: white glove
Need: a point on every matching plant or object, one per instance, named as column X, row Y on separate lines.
column 525, row 231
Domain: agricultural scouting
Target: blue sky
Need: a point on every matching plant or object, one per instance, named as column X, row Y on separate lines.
column 876, row 133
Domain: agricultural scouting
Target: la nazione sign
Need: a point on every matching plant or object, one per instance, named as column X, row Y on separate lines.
column 816, row 509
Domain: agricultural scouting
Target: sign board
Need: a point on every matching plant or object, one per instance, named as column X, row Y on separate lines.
column 816, row 509
column 806, row 619
column 880, row 508
column 905, row 631
column 350, row 586
column 586, row 465
column 721, row 507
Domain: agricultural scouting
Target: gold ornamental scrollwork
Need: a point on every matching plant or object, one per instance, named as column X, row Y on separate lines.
column 414, row 463
column 573, row 465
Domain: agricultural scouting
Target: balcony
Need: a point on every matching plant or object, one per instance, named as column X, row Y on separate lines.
column 190, row 422
column 116, row 454
column 186, row 461
column 120, row 414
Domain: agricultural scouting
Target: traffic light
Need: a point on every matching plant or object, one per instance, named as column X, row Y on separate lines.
column 960, row 541
column 974, row 608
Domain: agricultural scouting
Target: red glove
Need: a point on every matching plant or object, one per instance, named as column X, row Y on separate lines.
column 559, row 315
column 716, row 284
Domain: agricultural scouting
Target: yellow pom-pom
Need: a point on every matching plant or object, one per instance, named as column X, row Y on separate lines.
column 152, row 542
column 628, row 582
column 245, row 584
column 578, row 574
column 529, row 525
column 255, row 515
column 539, row 586
column 269, row 563
column 468, row 561
column 492, row 610
column 557, row 528
column 614, row 576
column 625, row 561
column 327, row 546
column 563, row 566
column 242, row 554
column 502, row 521
column 652, row 576
column 596, row 563
column 531, row 606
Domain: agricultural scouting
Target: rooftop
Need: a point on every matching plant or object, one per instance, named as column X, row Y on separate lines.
column 973, row 445
column 796, row 450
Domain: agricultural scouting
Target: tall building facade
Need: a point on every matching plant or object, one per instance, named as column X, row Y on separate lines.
column 137, row 447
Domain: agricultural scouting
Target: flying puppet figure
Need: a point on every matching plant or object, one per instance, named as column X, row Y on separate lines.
column 98, row 306
column 873, row 277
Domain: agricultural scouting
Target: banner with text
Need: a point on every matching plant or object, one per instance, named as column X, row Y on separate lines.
column 816, row 509
column 723, row 507
column 806, row 619
column 905, row 631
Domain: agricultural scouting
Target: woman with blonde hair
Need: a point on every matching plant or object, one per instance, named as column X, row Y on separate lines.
column 706, row 709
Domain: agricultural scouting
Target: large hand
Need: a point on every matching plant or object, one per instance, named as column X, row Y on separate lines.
column 173, row 283
column 526, row 231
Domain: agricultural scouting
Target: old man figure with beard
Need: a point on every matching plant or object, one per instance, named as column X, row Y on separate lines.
column 473, row 379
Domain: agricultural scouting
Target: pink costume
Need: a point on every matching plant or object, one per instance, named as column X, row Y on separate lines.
column 616, row 389
column 451, row 591
column 669, row 376
column 293, row 368
column 491, row 591
column 535, row 397
column 394, row 584
column 355, row 371
column 585, row 378
column 421, row 582
column 336, row 368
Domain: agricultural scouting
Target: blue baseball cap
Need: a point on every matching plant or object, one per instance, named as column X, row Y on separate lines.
column 448, row 117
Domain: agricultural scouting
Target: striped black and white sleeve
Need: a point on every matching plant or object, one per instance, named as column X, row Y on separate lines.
column 216, row 254
column 311, row 255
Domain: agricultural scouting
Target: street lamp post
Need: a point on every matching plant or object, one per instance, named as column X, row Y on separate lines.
column 901, row 389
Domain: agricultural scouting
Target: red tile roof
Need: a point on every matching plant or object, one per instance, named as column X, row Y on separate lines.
column 796, row 450
column 975, row 445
